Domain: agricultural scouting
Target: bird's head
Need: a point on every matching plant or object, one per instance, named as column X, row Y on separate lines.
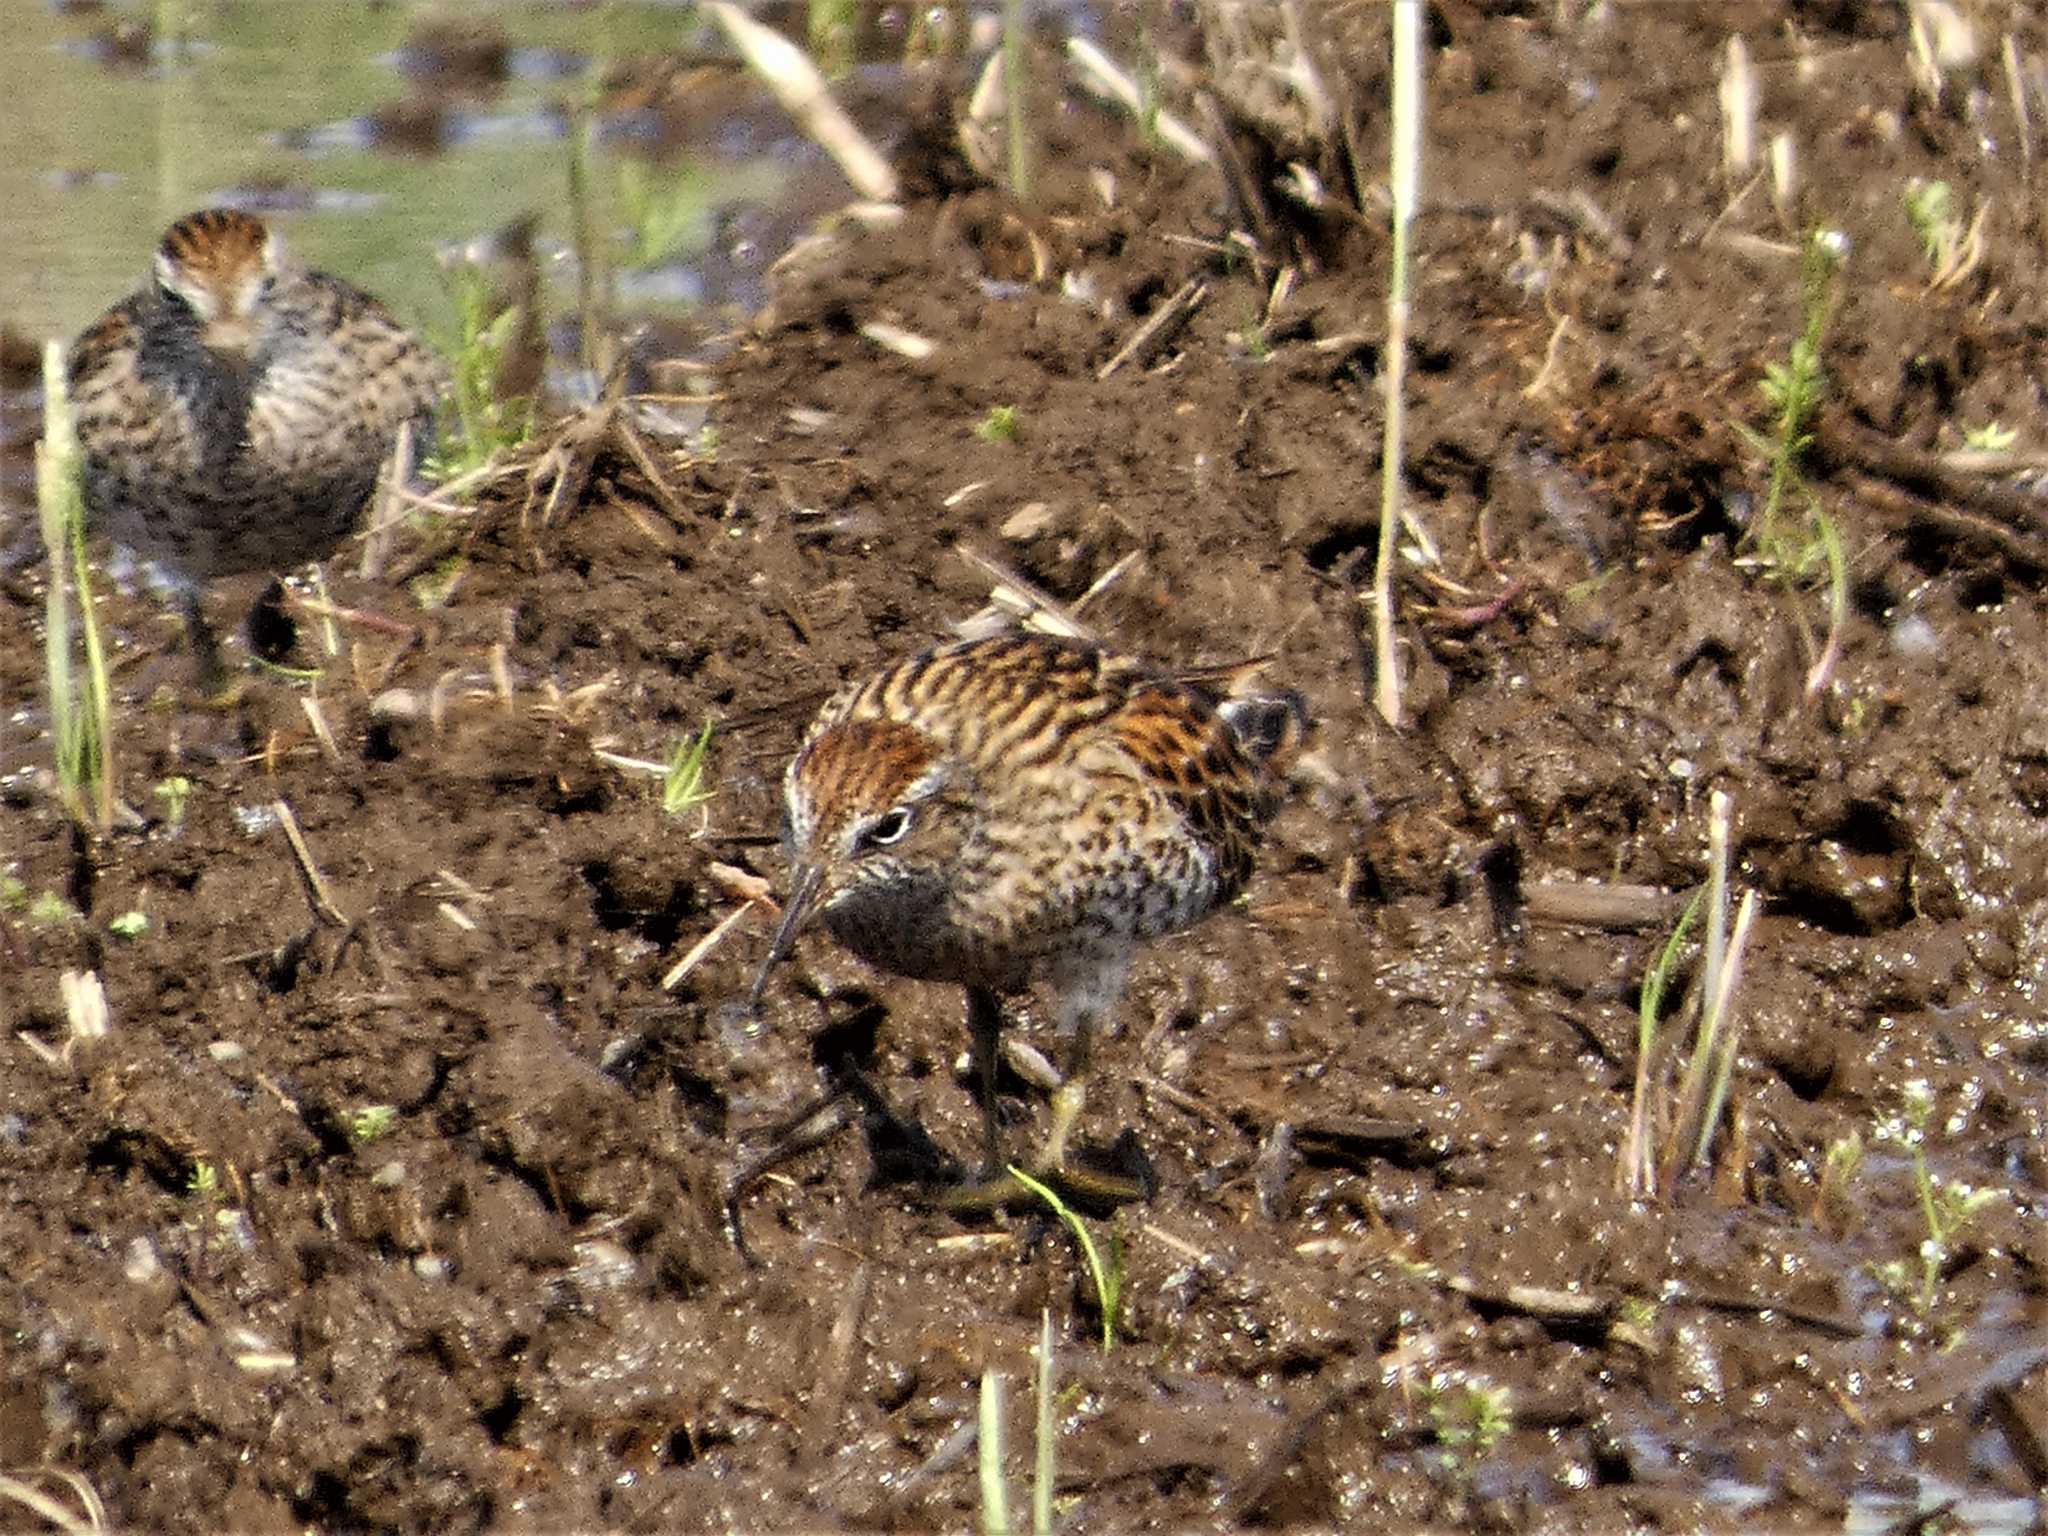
column 877, row 815
column 222, row 267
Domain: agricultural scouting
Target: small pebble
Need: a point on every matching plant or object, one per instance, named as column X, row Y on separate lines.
column 141, row 1264
column 1914, row 636
column 396, row 704
column 255, row 820
column 603, row 1265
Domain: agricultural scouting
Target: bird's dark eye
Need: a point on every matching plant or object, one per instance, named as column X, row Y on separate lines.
column 890, row 827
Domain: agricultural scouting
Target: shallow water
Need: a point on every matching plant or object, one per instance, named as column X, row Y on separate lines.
column 269, row 104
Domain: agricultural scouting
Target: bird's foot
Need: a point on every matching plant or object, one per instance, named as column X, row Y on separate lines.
column 1122, row 1177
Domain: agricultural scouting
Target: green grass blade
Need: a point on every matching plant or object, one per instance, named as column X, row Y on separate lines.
column 81, row 729
column 1638, row 1167
column 995, row 1499
column 1108, row 1282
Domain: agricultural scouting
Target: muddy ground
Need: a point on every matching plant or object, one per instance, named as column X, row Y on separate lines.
column 1383, row 1097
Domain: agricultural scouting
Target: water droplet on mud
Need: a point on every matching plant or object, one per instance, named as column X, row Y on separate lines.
column 739, row 1026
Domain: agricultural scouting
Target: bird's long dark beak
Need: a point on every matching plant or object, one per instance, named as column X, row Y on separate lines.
column 804, row 884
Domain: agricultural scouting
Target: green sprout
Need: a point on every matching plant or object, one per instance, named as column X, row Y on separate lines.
column 365, row 1125
column 203, row 1183
column 1635, row 1324
column 432, row 589
column 1469, row 1417
column 998, row 426
column 1108, row 1278
column 1992, row 437
column 128, row 925
column 1931, row 210
column 483, row 426
column 1793, row 390
column 1151, row 95
column 683, row 785
column 1838, row 1168
column 49, row 910
column 1946, row 1207
column 1257, row 339
column 1639, row 1167
column 1690, row 1108
column 1952, row 248
column 175, row 793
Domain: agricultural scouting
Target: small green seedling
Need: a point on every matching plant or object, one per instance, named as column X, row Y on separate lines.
column 128, row 925
column 203, row 1183
column 1792, row 552
column 1108, row 1277
column 684, row 786
column 1992, row 437
column 832, row 31
column 1257, row 339
column 1634, row 1324
column 1638, row 1312
column 1946, row 1208
column 476, row 425
column 175, row 793
column 1638, row 1151
column 1838, row 1169
column 432, row 589
column 365, row 1125
column 1469, row 1417
column 1931, row 210
column 1953, row 248
column 49, row 910
column 1793, row 389
column 998, row 426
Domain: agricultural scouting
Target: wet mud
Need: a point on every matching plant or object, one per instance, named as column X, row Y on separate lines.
column 1389, row 1277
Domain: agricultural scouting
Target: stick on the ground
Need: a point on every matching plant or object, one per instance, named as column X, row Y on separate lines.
column 1160, row 327
column 316, row 884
